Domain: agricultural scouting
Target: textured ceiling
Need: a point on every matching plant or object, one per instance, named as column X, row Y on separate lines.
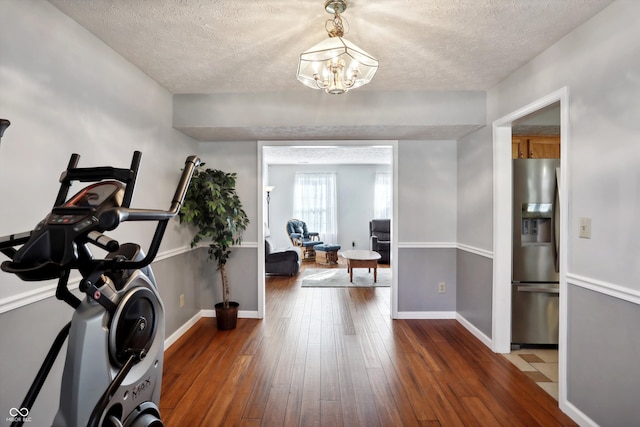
column 211, row 46
column 328, row 155
column 252, row 46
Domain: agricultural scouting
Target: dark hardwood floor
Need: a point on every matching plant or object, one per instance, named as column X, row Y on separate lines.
column 333, row 357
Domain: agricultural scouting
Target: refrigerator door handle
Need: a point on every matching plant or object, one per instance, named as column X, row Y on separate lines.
column 533, row 289
column 556, row 221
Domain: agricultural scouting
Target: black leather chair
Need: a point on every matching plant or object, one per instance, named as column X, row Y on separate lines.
column 380, row 235
column 280, row 261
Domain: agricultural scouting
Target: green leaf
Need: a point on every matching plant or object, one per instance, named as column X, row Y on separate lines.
column 214, row 208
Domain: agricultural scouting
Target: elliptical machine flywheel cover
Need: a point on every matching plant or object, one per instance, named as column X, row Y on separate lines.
column 134, row 324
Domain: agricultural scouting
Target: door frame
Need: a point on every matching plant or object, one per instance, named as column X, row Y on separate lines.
column 502, row 227
column 263, row 179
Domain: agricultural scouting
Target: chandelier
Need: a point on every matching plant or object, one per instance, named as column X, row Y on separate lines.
column 335, row 64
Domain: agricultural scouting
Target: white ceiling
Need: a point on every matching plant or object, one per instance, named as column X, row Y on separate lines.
column 328, row 155
column 252, row 46
column 229, row 46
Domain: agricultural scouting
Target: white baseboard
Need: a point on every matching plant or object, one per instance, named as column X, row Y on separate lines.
column 577, row 415
column 418, row 315
column 182, row 330
column 475, row 331
column 242, row 314
column 425, row 315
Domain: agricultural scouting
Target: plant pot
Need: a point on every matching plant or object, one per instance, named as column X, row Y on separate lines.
column 227, row 317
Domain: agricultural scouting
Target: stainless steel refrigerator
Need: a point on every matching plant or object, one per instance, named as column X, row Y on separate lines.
column 535, row 289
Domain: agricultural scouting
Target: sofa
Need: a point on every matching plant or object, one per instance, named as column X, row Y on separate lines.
column 380, row 239
column 280, row 261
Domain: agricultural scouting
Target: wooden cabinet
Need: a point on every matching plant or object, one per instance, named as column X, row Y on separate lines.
column 519, row 147
column 535, row 146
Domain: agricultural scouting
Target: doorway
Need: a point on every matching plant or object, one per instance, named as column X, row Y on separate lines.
column 502, row 268
column 326, row 152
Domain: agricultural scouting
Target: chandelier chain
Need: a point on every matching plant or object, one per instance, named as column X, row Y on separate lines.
column 335, row 27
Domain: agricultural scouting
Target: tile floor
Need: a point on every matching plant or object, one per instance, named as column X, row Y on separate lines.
column 541, row 365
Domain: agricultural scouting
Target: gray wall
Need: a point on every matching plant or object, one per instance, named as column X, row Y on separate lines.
column 603, row 351
column 242, row 273
column 474, row 289
column 180, row 275
column 420, row 270
column 26, row 335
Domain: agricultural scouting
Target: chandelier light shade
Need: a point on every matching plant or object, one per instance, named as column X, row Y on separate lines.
column 336, row 64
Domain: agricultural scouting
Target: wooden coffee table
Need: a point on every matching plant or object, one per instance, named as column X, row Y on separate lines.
column 362, row 259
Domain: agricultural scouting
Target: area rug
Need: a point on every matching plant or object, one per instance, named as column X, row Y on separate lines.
column 338, row 277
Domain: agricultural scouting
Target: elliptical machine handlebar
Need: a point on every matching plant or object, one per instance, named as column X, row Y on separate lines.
column 82, row 222
column 112, row 218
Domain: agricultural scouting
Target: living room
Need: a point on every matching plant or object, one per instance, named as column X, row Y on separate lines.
column 69, row 92
column 354, row 175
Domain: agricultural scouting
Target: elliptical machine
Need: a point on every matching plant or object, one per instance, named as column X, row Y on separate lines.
column 113, row 368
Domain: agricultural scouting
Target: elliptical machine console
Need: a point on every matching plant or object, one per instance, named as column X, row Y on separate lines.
column 113, row 368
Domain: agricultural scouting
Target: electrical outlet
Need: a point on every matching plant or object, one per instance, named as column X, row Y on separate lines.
column 181, row 300
column 442, row 287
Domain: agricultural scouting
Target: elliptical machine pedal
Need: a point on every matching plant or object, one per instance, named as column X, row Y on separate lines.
column 113, row 368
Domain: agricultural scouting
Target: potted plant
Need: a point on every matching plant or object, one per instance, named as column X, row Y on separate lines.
column 213, row 206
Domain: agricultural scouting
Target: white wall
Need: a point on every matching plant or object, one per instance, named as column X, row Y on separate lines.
column 600, row 64
column 427, row 189
column 320, row 117
column 355, row 199
column 475, row 190
column 604, row 178
column 64, row 92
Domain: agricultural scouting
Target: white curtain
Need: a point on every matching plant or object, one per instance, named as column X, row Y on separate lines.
column 382, row 199
column 314, row 202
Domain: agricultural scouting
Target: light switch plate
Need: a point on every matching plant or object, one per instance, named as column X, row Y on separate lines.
column 585, row 228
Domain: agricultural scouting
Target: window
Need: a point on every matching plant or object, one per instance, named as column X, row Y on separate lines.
column 314, row 202
column 382, row 201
